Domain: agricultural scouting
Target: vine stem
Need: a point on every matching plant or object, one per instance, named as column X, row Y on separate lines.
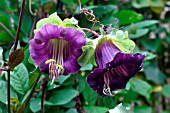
column 80, row 4
column 91, row 31
column 6, row 29
column 8, row 91
column 19, row 25
column 43, row 95
column 15, row 46
column 32, row 28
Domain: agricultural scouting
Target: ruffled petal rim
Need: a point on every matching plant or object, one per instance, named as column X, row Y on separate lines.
column 120, row 70
column 40, row 49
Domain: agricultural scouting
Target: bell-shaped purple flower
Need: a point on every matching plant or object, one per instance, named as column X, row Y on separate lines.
column 114, row 68
column 55, row 49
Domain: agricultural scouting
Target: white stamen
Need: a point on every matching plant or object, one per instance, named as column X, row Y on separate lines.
column 58, row 52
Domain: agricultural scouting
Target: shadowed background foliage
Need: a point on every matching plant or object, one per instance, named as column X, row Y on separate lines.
column 148, row 24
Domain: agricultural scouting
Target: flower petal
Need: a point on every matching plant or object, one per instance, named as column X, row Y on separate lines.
column 105, row 53
column 96, row 81
column 119, row 70
column 75, row 37
column 40, row 47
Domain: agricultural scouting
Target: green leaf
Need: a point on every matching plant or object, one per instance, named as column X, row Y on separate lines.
column 157, row 75
column 3, row 92
column 106, row 101
column 99, row 10
column 62, row 79
column 140, row 3
column 87, row 67
column 63, row 96
column 31, row 61
column 26, row 22
column 146, row 23
column 68, row 2
column 83, row 1
column 140, row 86
column 20, row 79
column 43, row 2
column 109, row 19
column 88, row 52
column 147, row 3
column 142, row 109
column 70, row 104
column 119, row 109
column 148, row 55
column 128, row 16
column 5, row 20
column 1, row 57
column 105, row 9
column 139, row 33
column 33, row 77
column 89, row 95
column 35, row 105
column 156, row 3
column 15, row 58
column 4, row 4
column 82, row 83
column 130, row 95
column 95, row 109
column 27, row 97
column 152, row 44
column 72, row 110
column 166, row 90
column 5, row 37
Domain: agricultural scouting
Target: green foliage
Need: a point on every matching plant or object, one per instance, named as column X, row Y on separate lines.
column 143, row 109
column 63, row 96
column 128, row 16
column 120, row 109
column 166, row 90
column 144, row 22
column 95, row 109
column 141, row 87
column 3, row 92
column 20, row 79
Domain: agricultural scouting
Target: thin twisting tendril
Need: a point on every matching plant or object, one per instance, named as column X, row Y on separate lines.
column 89, row 15
column 34, row 14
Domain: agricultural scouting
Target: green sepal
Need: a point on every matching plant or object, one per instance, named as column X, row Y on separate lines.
column 121, row 40
column 52, row 19
column 55, row 19
column 73, row 23
column 70, row 22
column 88, row 54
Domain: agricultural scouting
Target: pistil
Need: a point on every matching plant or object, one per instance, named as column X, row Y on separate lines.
column 106, row 87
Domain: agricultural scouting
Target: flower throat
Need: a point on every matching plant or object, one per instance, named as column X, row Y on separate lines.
column 58, row 52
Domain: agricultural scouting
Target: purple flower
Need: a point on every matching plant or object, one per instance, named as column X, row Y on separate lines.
column 55, row 50
column 114, row 68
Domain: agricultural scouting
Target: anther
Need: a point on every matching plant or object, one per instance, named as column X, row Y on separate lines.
column 49, row 61
column 60, row 66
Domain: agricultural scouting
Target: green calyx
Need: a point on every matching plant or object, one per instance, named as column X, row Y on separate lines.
column 55, row 19
column 120, row 39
